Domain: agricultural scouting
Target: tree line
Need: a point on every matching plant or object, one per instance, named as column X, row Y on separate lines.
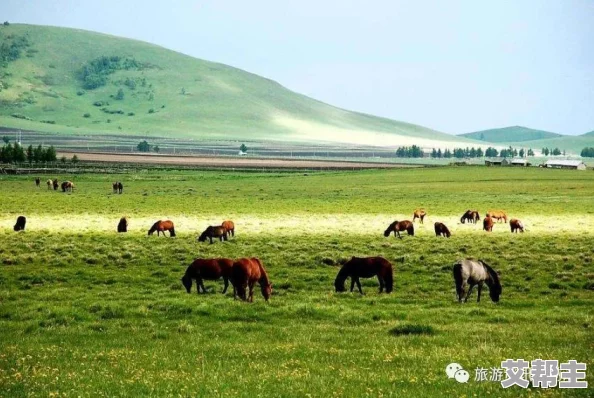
column 460, row 153
column 17, row 154
column 588, row 152
column 555, row 152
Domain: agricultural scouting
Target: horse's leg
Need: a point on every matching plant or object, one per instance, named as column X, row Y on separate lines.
column 251, row 296
column 398, row 232
column 210, row 237
column 381, row 282
column 468, row 293
column 226, row 282
column 233, row 232
column 478, row 294
column 352, row 283
column 359, row 285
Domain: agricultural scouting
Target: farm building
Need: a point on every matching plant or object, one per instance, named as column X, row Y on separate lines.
column 496, row 162
column 565, row 164
column 520, row 162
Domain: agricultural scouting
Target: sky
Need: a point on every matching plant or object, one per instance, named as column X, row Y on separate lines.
column 455, row 66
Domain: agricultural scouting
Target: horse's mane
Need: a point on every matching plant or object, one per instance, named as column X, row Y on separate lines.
column 264, row 278
column 492, row 274
column 155, row 226
column 390, row 228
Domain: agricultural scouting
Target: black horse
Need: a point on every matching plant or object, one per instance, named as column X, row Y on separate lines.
column 365, row 267
column 213, row 232
column 20, row 223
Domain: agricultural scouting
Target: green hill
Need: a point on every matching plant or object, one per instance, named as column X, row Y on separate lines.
column 570, row 143
column 73, row 81
column 510, row 134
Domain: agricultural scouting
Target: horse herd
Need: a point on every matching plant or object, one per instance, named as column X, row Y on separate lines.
column 243, row 273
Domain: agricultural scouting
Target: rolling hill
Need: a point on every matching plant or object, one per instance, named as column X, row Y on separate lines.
column 71, row 81
column 510, row 134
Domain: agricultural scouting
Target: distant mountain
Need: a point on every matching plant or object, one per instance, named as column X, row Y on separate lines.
column 590, row 133
column 68, row 81
column 510, row 134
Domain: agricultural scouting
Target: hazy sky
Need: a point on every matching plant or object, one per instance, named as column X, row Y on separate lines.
column 455, row 66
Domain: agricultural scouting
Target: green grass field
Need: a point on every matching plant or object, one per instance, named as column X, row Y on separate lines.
column 87, row 312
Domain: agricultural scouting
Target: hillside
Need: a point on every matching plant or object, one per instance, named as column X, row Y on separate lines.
column 510, row 134
column 570, row 143
column 72, row 81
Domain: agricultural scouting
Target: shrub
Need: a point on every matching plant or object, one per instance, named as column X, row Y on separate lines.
column 98, row 103
column 412, row 329
column 151, row 110
column 130, row 113
column 87, row 115
column 80, row 92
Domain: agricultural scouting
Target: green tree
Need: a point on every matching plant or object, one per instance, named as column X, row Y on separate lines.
column 74, row 159
column 143, row 146
column 6, row 139
column 38, row 154
column 63, row 159
column 243, row 148
column 156, row 148
column 120, row 95
column 530, row 152
column 49, row 155
column 521, row 153
column 30, row 154
column 18, row 153
column 556, row 152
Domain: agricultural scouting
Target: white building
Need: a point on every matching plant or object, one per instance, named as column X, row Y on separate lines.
column 565, row 164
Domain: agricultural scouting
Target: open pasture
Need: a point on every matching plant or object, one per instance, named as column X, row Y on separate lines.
column 87, row 312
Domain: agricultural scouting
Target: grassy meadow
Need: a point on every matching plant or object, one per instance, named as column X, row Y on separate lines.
column 87, row 312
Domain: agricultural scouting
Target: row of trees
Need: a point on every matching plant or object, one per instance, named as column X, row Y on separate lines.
column 555, row 152
column 409, row 152
column 588, row 152
column 17, row 154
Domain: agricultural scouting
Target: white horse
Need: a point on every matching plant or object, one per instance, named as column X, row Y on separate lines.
column 469, row 272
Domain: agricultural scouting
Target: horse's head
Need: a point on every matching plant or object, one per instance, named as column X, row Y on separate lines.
column 495, row 292
column 266, row 290
column 390, row 229
column 202, row 237
column 187, row 282
column 339, row 286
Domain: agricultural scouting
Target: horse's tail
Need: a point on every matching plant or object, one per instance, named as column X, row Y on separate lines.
column 457, row 271
column 447, row 231
column 389, row 280
column 172, row 231
column 411, row 230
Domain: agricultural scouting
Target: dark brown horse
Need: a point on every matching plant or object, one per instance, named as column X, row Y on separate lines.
column 488, row 224
column 441, row 230
column 162, row 226
column 229, row 226
column 56, row 184
column 244, row 275
column 67, row 186
column 123, row 225
column 365, row 267
column 516, row 225
column 20, row 223
column 420, row 214
column 37, row 181
column 498, row 215
column 398, row 226
column 472, row 216
column 211, row 269
column 211, row 232
column 469, row 272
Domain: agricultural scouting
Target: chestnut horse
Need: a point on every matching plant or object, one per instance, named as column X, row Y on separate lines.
column 471, row 272
column 162, row 226
column 55, row 184
column 516, row 225
column 20, row 223
column 441, row 230
column 498, row 215
column 488, row 224
column 420, row 214
column 472, row 216
column 211, row 269
column 398, row 226
column 213, row 232
column 244, row 275
column 229, row 226
column 365, row 267
column 67, row 186
column 123, row 225
column 37, row 182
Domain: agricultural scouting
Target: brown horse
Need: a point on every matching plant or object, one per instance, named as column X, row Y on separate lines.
column 365, row 267
column 398, row 226
column 516, row 225
column 498, row 215
column 37, row 181
column 488, row 224
column 211, row 269
column 123, row 225
column 117, row 187
column 229, row 226
column 244, row 275
column 441, row 230
column 20, row 223
column 55, row 184
column 162, row 226
column 472, row 216
column 420, row 214
column 67, row 186
column 213, row 232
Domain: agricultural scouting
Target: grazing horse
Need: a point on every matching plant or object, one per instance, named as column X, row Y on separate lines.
column 420, row 214
column 516, row 225
column 213, row 232
column 37, row 181
column 67, row 186
column 162, row 226
column 365, row 267
column 49, row 183
column 441, row 230
column 498, row 215
column 471, row 272
column 120, row 187
column 211, row 269
column 488, row 224
column 123, row 225
column 472, row 216
column 114, row 186
column 229, row 226
column 55, row 183
column 398, row 226
column 20, row 223
column 244, row 275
